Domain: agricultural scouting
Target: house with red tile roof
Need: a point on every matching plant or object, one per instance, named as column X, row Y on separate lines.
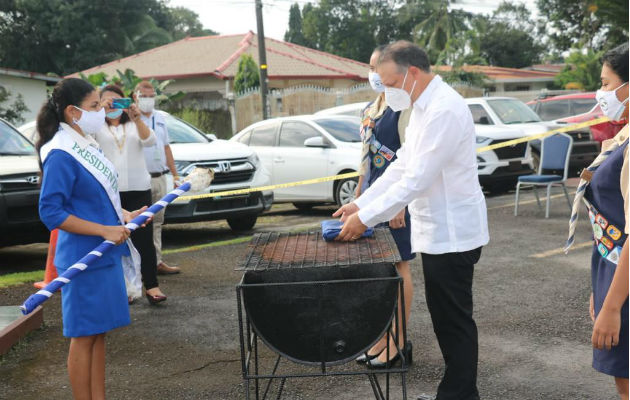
column 209, row 64
column 502, row 79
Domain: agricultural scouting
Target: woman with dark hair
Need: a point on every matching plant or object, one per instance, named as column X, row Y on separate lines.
column 79, row 196
column 123, row 138
column 604, row 189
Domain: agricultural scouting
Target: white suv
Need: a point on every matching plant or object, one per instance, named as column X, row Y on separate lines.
column 235, row 166
column 306, row 147
column 498, row 169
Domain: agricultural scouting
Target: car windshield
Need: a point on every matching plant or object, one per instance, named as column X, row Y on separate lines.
column 12, row 143
column 182, row 132
column 342, row 129
column 513, row 111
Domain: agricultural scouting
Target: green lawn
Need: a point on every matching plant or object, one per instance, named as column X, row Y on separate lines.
column 19, row 278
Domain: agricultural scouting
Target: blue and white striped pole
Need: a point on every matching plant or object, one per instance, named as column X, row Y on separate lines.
column 44, row 294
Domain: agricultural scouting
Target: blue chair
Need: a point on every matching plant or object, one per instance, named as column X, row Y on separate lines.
column 555, row 152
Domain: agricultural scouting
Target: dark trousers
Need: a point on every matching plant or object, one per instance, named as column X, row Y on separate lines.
column 142, row 238
column 448, row 282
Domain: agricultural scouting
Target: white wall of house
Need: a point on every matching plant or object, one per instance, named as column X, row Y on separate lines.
column 32, row 90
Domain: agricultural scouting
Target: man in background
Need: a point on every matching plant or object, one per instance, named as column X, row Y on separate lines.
column 159, row 159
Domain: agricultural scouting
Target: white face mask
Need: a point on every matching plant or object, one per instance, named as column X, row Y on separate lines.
column 397, row 98
column 90, row 122
column 375, row 82
column 610, row 104
column 146, row 104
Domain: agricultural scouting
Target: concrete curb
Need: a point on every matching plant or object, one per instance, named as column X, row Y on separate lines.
column 20, row 327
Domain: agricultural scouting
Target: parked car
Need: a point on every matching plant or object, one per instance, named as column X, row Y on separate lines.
column 500, row 168
column 557, row 107
column 574, row 109
column 351, row 110
column 511, row 112
column 19, row 189
column 306, row 147
column 235, row 166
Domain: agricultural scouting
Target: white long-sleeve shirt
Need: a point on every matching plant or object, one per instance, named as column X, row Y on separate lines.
column 129, row 159
column 435, row 174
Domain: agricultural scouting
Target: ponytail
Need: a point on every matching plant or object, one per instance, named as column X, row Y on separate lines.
column 68, row 92
column 48, row 120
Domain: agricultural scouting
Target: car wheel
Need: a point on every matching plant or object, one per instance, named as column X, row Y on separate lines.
column 304, row 206
column 244, row 223
column 344, row 191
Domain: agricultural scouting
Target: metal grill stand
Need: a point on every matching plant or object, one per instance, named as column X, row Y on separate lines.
column 321, row 305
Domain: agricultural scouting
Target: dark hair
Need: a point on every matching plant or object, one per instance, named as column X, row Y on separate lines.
column 405, row 54
column 115, row 89
column 67, row 92
column 617, row 60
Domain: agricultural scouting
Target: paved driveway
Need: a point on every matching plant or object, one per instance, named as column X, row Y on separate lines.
column 531, row 309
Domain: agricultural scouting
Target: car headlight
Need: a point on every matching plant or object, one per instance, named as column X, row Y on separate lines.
column 181, row 167
column 254, row 160
column 481, row 139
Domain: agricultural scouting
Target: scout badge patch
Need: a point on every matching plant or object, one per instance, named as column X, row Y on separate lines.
column 613, row 257
column 379, row 161
column 613, row 232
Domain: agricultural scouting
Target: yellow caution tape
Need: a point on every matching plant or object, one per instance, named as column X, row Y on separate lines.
column 355, row 174
column 269, row 187
column 542, row 135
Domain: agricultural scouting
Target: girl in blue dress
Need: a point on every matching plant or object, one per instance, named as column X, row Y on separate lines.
column 79, row 196
column 606, row 197
column 382, row 132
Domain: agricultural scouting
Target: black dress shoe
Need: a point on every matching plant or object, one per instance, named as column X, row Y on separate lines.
column 363, row 358
column 378, row 364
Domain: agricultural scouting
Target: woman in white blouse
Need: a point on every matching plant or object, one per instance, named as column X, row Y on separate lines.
column 122, row 139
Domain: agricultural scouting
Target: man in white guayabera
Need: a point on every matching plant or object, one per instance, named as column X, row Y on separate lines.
column 435, row 175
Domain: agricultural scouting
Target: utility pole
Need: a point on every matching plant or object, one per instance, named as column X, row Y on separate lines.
column 262, row 59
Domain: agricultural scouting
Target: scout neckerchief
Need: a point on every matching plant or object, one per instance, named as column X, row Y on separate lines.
column 585, row 179
column 372, row 113
column 94, row 161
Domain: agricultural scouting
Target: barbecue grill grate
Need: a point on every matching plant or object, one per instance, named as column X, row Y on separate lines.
column 282, row 250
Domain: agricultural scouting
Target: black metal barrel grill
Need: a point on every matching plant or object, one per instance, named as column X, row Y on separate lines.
column 316, row 302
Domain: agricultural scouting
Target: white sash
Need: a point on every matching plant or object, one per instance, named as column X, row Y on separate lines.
column 95, row 162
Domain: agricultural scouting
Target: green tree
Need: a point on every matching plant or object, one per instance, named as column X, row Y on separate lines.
column 582, row 71
column 349, row 28
column 247, row 75
column 63, row 37
column 182, row 22
column 437, row 28
column 593, row 24
column 12, row 111
column 458, row 75
column 128, row 80
column 294, row 32
column 504, row 46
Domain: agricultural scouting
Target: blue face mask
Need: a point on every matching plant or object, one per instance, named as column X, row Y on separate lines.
column 114, row 114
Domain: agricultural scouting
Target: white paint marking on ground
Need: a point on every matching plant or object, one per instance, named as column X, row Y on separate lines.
column 560, row 250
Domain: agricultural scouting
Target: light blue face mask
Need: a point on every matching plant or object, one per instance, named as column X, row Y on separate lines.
column 114, row 114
